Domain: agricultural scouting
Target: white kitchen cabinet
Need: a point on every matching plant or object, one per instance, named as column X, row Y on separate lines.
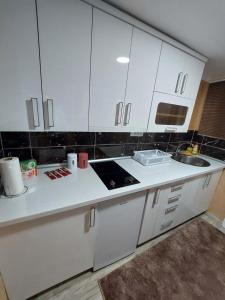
column 160, row 213
column 20, row 83
column 111, row 39
column 169, row 113
column 117, row 228
column 170, row 206
column 38, row 254
column 206, row 189
column 144, row 58
column 149, row 218
column 179, row 73
column 65, row 48
column 197, row 195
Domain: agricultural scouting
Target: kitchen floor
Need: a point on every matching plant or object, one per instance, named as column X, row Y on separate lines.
column 85, row 286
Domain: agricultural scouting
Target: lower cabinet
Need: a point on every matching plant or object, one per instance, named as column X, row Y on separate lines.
column 36, row 255
column 118, row 223
column 168, row 207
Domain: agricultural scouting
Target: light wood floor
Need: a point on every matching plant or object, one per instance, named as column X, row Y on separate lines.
column 85, row 286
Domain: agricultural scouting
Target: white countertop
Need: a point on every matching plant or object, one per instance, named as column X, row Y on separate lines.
column 84, row 187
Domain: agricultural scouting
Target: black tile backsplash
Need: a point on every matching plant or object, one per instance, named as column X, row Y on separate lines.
column 23, row 153
column 150, row 137
column 15, row 139
column 181, row 137
column 52, row 147
column 104, row 138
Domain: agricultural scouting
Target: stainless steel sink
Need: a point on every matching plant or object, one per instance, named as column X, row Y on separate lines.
column 191, row 160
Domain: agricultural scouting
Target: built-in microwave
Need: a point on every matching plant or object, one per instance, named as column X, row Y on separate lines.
column 170, row 113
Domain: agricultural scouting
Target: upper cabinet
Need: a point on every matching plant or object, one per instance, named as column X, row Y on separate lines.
column 65, row 48
column 179, row 73
column 111, row 40
column 123, row 71
column 20, row 83
column 66, row 66
column 144, row 58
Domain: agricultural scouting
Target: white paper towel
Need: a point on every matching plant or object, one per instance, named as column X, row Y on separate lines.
column 72, row 161
column 11, row 176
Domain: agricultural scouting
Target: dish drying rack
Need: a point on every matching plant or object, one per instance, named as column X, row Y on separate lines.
column 151, row 157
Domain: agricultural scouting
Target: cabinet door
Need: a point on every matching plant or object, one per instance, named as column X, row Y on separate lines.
column 20, row 84
column 117, row 227
column 39, row 254
column 170, row 72
column 179, row 73
column 167, row 214
column 65, row 47
column 206, row 188
column 111, row 40
column 149, row 218
column 193, row 70
column 143, row 64
column 189, row 199
column 170, row 113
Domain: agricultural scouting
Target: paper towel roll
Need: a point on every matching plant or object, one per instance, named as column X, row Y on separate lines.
column 72, row 161
column 11, row 176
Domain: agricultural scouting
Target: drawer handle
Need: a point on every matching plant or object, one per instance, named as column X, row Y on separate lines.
column 183, row 87
column 92, row 218
column 127, row 114
column 170, row 209
column 119, row 108
column 174, row 199
column 156, row 198
column 36, row 121
column 166, row 225
column 179, row 76
column 170, row 129
column 50, row 106
column 176, row 188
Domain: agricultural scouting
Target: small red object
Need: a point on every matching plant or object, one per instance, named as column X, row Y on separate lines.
column 82, row 160
column 50, row 175
column 66, row 171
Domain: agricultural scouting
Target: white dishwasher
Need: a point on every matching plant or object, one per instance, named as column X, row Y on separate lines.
column 118, row 224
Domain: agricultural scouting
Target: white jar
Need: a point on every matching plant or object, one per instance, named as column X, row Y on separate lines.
column 72, row 161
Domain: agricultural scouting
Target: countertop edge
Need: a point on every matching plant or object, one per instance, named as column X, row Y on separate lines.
column 102, row 199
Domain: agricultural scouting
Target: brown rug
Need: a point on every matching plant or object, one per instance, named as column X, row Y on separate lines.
column 190, row 264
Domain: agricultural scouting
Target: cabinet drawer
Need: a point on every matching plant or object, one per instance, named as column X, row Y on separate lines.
column 166, row 226
column 173, row 200
column 176, row 189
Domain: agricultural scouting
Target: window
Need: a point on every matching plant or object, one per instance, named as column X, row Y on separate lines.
column 213, row 116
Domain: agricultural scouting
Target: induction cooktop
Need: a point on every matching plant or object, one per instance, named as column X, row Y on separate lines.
column 113, row 175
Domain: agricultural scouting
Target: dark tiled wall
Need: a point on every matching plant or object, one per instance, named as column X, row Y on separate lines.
column 52, row 147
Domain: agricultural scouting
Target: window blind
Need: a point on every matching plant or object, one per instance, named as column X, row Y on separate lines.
column 213, row 116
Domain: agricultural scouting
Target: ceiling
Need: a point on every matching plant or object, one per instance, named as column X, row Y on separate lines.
column 200, row 24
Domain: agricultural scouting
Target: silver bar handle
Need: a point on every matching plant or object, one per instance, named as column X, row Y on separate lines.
column 127, row 113
column 205, row 182
column 170, row 209
column 176, row 188
column 119, row 109
column 165, row 225
column 179, row 77
column 184, row 82
column 170, row 129
column 209, row 179
column 36, row 121
column 174, row 199
column 156, row 198
column 92, row 217
column 50, row 106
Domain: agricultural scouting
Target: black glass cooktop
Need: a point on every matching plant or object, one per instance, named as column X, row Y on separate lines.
column 112, row 175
